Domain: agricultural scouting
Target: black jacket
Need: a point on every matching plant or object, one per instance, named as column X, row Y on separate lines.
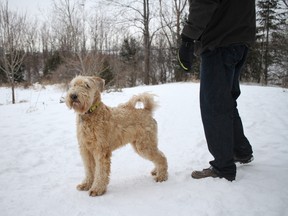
column 218, row 23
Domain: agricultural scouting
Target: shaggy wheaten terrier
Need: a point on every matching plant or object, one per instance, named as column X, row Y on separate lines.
column 101, row 130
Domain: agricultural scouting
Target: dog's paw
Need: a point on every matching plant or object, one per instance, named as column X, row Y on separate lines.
column 154, row 172
column 83, row 187
column 161, row 178
column 96, row 192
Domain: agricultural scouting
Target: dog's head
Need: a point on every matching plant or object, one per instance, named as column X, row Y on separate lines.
column 83, row 92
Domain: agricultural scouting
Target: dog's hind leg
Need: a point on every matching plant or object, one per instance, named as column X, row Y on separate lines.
column 148, row 150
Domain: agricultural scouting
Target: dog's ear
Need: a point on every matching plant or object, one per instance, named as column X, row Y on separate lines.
column 99, row 82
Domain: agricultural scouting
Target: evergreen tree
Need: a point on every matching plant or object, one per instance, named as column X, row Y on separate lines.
column 52, row 63
column 253, row 66
column 269, row 20
column 279, row 47
column 252, row 70
column 129, row 50
column 129, row 54
column 106, row 72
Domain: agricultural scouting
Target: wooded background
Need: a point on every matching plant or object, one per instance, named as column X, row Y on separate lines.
column 126, row 42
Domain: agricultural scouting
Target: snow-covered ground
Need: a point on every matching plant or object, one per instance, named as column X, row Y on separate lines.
column 40, row 164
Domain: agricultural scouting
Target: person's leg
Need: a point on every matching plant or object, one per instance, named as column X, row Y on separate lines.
column 218, row 106
column 242, row 148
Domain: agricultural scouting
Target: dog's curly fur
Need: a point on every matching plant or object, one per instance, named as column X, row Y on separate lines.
column 101, row 130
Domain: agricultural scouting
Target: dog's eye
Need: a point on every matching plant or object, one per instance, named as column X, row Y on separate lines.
column 87, row 86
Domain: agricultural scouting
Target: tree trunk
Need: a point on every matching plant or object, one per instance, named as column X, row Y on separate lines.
column 13, row 92
column 146, row 43
column 266, row 48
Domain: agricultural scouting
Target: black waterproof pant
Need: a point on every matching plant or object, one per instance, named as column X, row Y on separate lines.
column 219, row 90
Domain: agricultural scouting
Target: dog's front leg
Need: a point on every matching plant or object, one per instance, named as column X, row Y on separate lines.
column 102, row 173
column 89, row 165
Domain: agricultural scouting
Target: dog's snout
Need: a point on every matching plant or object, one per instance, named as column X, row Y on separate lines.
column 73, row 96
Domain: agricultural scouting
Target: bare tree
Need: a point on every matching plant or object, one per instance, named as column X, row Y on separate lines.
column 70, row 29
column 46, row 41
column 147, row 43
column 138, row 15
column 32, row 63
column 104, row 35
column 171, row 18
column 171, row 22
column 12, row 43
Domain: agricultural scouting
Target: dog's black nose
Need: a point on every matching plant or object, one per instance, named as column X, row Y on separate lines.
column 73, row 96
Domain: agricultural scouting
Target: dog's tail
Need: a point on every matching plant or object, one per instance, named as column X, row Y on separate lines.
column 142, row 101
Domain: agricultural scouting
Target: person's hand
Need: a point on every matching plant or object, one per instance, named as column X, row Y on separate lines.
column 186, row 53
